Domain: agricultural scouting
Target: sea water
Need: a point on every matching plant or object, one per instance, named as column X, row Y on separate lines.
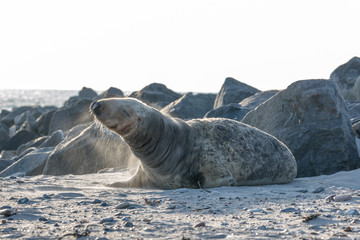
column 10, row 98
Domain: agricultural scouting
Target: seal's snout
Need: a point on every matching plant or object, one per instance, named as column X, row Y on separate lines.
column 95, row 108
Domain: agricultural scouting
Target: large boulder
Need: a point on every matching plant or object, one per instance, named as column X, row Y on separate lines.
column 42, row 142
column 232, row 111
column 233, row 91
column 4, row 133
column 346, row 77
column 87, row 93
column 21, row 137
column 111, row 93
column 190, row 106
column 257, row 99
column 43, row 122
column 9, row 118
column 156, row 94
column 71, row 115
column 28, row 163
column 88, row 149
column 4, row 164
column 311, row 118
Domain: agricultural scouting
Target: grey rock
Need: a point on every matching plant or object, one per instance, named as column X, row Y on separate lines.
column 106, row 220
column 4, row 164
column 23, row 200
column 52, row 141
column 28, row 163
column 43, row 122
column 216, row 236
column 190, row 106
column 231, row 111
column 257, row 210
column 257, row 99
column 7, row 154
column 352, row 212
column 302, row 191
column 156, row 94
column 87, row 93
column 200, row 224
column 21, row 137
column 111, row 93
column 71, row 115
column 45, row 196
column 70, row 195
column 128, row 224
column 7, row 212
column 310, row 117
column 354, row 110
column 4, row 133
column 88, row 149
column 290, row 210
column 233, row 91
column 42, row 219
column 356, row 127
column 123, row 205
column 8, row 120
column 319, row 190
column 346, row 76
column 31, row 144
column 3, row 113
column 27, row 120
column 96, row 201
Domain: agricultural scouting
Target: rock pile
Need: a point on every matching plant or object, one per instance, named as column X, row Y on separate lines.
column 311, row 117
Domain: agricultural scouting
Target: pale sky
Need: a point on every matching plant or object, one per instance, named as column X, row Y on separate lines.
column 188, row 45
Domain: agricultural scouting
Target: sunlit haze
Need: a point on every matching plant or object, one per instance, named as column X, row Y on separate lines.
column 187, row 45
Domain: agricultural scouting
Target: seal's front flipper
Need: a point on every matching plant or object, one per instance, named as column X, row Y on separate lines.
column 139, row 180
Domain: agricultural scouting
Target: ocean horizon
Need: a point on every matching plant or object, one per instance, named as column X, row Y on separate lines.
column 12, row 98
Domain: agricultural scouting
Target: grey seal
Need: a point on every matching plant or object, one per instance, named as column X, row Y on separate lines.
column 200, row 153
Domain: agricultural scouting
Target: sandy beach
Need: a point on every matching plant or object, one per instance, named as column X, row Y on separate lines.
column 82, row 207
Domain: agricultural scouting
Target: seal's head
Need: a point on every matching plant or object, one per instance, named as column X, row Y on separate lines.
column 121, row 115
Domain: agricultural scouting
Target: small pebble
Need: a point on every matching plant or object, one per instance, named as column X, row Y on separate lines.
column 45, row 196
column 302, row 190
column 352, row 212
column 200, row 224
column 126, row 219
column 23, row 200
column 123, row 205
column 341, row 198
column 128, row 224
column 104, row 204
column 96, row 201
column 42, row 219
column 319, row 190
column 256, row 210
column 217, row 236
column 70, row 195
column 329, row 198
column 171, row 207
column 5, row 207
column 262, row 227
column 289, row 210
column 6, row 212
column 106, row 220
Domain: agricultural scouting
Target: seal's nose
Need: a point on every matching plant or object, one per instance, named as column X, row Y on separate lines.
column 95, row 107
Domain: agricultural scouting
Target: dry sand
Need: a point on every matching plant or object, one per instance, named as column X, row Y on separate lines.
column 70, row 207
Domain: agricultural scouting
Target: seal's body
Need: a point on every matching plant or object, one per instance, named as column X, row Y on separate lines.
column 197, row 153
